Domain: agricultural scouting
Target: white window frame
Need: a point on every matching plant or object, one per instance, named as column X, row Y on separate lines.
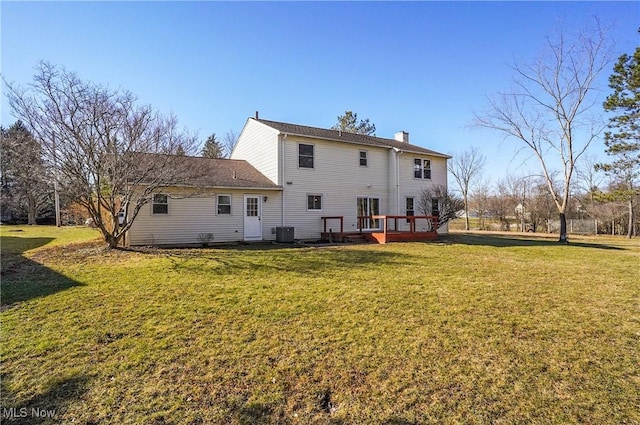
column 406, row 207
column 154, row 203
column 313, row 155
column 318, row 195
column 218, row 204
column 366, row 158
column 425, row 168
column 435, row 202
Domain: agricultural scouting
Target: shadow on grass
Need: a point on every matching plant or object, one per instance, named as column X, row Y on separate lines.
column 504, row 241
column 42, row 408
column 24, row 279
column 305, row 262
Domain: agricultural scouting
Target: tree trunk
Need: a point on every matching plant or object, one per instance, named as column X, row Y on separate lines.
column 466, row 212
column 112, row 240
column 630, row 231
column 31, row 210
column 563, row 229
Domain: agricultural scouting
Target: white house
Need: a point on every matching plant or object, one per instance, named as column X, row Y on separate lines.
column 300, row 176
column 229, row 201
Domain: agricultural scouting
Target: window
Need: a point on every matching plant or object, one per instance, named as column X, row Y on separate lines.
column 314, row 202
column 422, row 168
column 224, row 204
column 160, row 204
column 252, row 206
column 363, row 158
column 305, row 156
column 435, row 207
column 410, row 208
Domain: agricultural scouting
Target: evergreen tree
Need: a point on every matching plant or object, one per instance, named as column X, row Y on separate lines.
column 623, row 141
column 25, row 175
column 350, row 124
column 212, row 148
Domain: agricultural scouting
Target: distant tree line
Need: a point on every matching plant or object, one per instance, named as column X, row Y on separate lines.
column 523, row 203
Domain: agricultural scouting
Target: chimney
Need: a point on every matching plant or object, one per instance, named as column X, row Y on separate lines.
column 401, row 136
column 257, row 115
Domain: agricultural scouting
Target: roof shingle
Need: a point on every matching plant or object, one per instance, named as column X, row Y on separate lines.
column 232, row 173
column 343, row 136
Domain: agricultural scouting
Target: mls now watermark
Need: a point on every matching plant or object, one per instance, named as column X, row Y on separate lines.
column 24, row 412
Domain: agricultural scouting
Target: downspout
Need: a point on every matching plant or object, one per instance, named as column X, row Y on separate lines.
column 398, row 153
column 282, row 177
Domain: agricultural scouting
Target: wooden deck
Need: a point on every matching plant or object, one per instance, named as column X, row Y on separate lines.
column 388, row 233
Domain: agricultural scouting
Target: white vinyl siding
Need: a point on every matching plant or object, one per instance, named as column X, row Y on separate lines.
column 194, row 216
column 258, row 145
column 338, row 178
column 412, row 187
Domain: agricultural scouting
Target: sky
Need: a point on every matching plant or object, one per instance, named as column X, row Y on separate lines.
column 421, row 67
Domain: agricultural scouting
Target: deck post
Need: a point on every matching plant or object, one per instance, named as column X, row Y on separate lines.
column 384, row 226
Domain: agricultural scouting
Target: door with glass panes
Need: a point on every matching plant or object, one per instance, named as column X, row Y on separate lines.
column 252, row 220
column 366, row 208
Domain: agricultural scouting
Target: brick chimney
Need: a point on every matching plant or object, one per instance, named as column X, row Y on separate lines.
column 401, row 136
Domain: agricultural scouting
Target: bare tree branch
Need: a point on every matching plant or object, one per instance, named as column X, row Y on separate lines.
column 549, row 108
column 94, row 138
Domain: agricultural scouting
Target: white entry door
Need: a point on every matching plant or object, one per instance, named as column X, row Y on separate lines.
column 252, row 218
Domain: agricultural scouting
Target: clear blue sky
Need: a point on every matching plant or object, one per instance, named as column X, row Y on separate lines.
column 422, row 67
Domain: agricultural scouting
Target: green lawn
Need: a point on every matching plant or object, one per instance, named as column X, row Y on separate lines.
column 474, row 329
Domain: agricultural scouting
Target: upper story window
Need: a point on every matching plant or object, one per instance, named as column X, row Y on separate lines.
column 160, row 204
column 314, row 202
column 363, row 158
column 305, row 155
column 224, row 204
column 421, row 168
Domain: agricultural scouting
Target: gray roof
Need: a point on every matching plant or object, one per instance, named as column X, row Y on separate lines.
column 231, row 173
column 343, row 136
column 192, row 171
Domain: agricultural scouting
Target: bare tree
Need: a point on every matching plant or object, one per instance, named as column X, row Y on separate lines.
column 588, row 177
column 110, row 154
column 464, row 167
column 504, row 201
column 229, row 141
column 437, row 201
column 548, row 110
column 479, row 200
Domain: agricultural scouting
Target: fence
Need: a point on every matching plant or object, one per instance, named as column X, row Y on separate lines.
column 575, row 226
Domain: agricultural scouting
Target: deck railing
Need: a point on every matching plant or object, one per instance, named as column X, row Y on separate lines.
column 431, row 222
column 336, row 217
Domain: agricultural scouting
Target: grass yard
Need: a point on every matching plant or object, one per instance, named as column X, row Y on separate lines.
column 474, row 329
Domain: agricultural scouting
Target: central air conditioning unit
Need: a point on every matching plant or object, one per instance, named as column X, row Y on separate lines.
column 284, row 234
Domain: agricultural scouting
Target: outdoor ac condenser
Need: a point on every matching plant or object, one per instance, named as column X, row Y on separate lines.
column 284, row 234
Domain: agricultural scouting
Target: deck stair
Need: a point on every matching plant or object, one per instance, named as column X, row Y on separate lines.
column 356, row 238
